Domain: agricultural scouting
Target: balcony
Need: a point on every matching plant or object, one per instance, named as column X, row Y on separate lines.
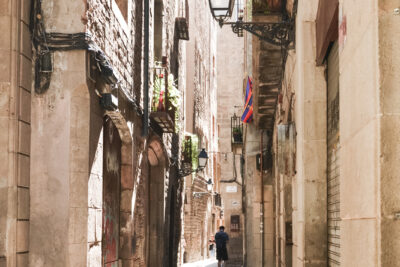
column 165, row 119
column 269, row 67
column 166, row 99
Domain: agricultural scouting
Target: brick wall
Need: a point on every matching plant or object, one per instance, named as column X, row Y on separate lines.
column 194, row 220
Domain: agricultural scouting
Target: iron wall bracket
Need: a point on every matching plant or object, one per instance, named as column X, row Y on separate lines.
column 275, row 33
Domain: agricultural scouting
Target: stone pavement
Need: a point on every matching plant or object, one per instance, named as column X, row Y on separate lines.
column 210, row 263
column 204, row 263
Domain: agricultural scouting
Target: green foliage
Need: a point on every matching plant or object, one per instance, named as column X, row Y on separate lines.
column 174, row 96
column 195, row 151
column 158, row 86
column 237, row 130
column 194, row 139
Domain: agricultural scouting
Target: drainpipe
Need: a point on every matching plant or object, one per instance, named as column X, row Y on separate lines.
column 262, row 201
column 146, row 69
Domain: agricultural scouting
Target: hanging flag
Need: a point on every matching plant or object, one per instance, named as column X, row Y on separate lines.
column 248, row 107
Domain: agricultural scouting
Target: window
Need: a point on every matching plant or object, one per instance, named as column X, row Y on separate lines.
column 235, row 223
column 123, row 7
column 158, row 29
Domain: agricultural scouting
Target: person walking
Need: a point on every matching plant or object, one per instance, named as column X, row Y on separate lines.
column 221, row 238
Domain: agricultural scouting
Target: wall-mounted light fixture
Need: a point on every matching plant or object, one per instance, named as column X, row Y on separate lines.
column 276, row 33
column 209, row 189
column 202, row 163
column 109, row 102
column 203, row 158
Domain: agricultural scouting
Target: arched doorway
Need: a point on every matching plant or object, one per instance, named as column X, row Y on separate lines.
column 111, row 193
column 156, row 203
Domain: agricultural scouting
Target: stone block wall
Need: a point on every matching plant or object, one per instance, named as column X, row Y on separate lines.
column 230, row 76
column 15, row 110
column 200, row 109
column 195, row 221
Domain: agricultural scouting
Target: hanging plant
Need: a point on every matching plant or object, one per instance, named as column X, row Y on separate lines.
column 158, row 93
column 174, row 95
column 195, row 151
column 174, row 98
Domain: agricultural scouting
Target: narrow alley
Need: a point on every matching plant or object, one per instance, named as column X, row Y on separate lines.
column 199, row 133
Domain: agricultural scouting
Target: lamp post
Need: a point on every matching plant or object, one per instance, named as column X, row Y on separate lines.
column 203, row 158
column 202, row 163
column 276, row 33
column 221, row 9
column 209, row 189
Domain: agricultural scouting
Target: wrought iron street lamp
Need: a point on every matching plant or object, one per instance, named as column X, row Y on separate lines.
column 203, row 157
column 277, row 33
column 221, row 9
column 209, row 185
column 202, row 163
column 209, row 189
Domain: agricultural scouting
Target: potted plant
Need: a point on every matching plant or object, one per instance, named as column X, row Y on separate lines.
column 237, row 134
column 166, row 103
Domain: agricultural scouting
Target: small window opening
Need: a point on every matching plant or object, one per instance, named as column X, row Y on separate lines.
column 158, row 29
column 123, row 7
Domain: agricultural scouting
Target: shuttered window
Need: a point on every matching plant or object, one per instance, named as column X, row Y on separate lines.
column 333, row 150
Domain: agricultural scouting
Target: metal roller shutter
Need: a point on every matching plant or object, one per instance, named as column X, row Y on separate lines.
column 333, row 175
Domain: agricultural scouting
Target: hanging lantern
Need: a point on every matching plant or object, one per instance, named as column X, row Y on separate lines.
column 203, row 157
column 221, row 9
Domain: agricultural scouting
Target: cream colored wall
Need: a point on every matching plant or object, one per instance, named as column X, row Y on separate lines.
column 252, row 180
column 60, row 120
column 309, row 184
column 369, row 187
column 388, row 185
column 60, row 151
column 230, row 74
column 369, row 141
column 15, row 111
column 359, row 135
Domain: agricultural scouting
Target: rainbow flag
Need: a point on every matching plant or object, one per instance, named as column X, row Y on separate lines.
column 248, row 107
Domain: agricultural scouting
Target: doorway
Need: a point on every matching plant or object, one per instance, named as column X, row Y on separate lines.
column 156, row 205
column 111, row 193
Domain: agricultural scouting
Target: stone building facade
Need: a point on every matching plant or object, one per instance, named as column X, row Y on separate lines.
column 85, row 183
column 334, row 147
column 200, row 213
column 230, row 66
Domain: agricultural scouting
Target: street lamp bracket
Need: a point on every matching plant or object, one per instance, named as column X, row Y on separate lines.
column 275, row 33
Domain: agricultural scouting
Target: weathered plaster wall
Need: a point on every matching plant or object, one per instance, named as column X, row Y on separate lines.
column 309, row 184
column 60, row 119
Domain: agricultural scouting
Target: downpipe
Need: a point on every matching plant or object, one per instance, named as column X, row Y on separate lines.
column 262, row 200
column 146, row 69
